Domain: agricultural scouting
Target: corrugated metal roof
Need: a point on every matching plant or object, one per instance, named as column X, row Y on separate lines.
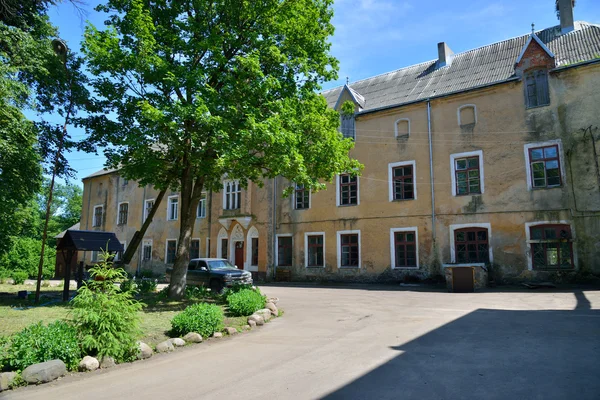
column 485, row 65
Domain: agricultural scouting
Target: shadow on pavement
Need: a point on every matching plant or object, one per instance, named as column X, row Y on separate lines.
column 494, row 354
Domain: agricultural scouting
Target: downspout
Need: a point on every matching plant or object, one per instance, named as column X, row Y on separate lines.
column 274, row 219
column 431, row 170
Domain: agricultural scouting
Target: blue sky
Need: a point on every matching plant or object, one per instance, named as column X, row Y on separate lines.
column 376, row 36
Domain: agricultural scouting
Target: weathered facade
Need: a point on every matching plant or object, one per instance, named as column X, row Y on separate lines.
column 486, row 157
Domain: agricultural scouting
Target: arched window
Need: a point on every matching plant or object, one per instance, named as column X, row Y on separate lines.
column 467, row 115
column 402, row 128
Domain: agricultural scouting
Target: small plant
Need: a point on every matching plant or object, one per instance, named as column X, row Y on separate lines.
column 38, row 343
column 19, row 277
column 128, row 285
column 245, row 302
column 147, row 285
column 147, row 273
column 202, row 318
column 196, row 292
column 105, row 315
column 46, row 284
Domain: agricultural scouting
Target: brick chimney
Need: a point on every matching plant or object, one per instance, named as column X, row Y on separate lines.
column 565, row 13
column 445, row 55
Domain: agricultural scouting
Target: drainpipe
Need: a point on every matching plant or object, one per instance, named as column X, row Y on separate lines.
column 431, row 169
column 274, row 218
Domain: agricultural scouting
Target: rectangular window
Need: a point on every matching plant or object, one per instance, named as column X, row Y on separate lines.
column 119, row 254
column 147, row 250
column 551, row 246
column 123, row 213
column 348, row 190
column 232, row 195
column 315, row 250
column 348, row 126
column 171, row 251
column 536, row 89
column 95, row 256
column 254, row 259
column 201, row 210
column 544, row 166
column 224, row 248
column 405, row 249
column 403, row 183
column 284, row 251
column 98, row 215
column 349, row 250
column 195, row 248
column 471, row 245
column 148, row 204
column 173, row 208
column 467, row 175
column 302, row 197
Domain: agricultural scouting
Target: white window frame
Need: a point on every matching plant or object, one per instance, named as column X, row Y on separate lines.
column 453, row 157
column 529, row 225
column 144, row 243
column 199, row 207
column 95, row 223
column 222, row 235
column 146, row 207
column 306, row 235
column 459, row 109
column 167, row 248
column 119, row 212
column 455, row 227
column 396, row 126
column 277, row 236
column 561, row 158
column 393, row 246
column 236, row 183
column 169, row 202
column 199, row 246
column 391, row 167
column 309, row 200
column 117, row 256
column 339, row 248
column 337, row 192
column 94, row 256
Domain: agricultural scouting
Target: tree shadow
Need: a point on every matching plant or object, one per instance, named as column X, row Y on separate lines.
column 494, row 354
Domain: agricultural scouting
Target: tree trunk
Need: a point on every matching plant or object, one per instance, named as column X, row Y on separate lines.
column 139, row 235
column 190, row 196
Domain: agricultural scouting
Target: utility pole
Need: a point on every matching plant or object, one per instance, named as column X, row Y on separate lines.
column 61, row 50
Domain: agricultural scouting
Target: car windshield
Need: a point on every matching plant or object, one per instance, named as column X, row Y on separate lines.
column 220, row 264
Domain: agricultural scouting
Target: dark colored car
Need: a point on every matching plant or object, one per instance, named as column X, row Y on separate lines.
column 215, row 273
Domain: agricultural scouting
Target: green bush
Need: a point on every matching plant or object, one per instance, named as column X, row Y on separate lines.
column 245, row 302
column 201, row 318
column 19, row 277
column 128, row 285
column 24, row 255
column 197, row 292
column 147, row 285
column 38, row 343
column 235, row 288
column 106, row 316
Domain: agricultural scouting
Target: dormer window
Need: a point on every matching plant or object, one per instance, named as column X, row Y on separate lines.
column 536, row 88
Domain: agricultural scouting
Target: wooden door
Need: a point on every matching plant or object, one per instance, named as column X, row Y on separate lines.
column 239, row 255
column 463, row 280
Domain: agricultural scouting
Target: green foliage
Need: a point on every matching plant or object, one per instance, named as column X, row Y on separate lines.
column 24, row 256
column 38, row 343
column 236, row 287
column 107, row 316
column 147, row 273
column 146, row 285
column 245, row 302
column 201, row 318
column 197, row 292
column 128, row 285
column 19, row 277
column 347, row 108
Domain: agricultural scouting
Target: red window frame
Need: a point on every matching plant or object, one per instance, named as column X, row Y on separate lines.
column 284, row 251
column 302, row 198
column 349, row 242
column 348, row 190
column 551, row 236
column 469, row 178
column 409, row 247
column 315, row 247
column 545, row 160
column 467, row 242
column 403, row 190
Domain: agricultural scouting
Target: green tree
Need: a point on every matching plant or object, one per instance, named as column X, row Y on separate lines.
column 206, row 89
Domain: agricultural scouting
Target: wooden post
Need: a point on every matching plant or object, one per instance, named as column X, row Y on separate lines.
column 67, row 276
column 80, row 275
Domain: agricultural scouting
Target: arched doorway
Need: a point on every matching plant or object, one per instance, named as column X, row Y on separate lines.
column 237, row 246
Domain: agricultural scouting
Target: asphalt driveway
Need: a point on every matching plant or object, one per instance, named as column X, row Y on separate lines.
column 365, row 342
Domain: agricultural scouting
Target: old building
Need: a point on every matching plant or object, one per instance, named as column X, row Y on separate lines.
column 486, row 157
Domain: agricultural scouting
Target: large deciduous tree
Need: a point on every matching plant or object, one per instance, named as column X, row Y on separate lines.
column 191, row 91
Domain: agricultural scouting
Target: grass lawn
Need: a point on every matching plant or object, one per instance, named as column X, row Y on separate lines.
column 156, row 316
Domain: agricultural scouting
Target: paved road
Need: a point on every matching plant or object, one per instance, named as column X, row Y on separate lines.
column 376, row 343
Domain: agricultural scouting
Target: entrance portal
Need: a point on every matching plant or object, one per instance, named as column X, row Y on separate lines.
column 239, row 255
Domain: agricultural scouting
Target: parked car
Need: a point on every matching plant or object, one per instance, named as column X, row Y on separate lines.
column 215, row 273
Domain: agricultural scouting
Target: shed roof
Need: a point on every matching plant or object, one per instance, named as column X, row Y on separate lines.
column 90, row 241
column 73, row 228
column 471, row 69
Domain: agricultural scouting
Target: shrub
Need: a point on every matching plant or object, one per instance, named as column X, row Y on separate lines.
column 147, row 285
column 128, row 285
column 106, row 316
column 147, row 273
column 19, row 277
column 196, row 292
column 24, row 255
column 245, row 302
column 235, row 288
column 202, row 318
column 38, row 343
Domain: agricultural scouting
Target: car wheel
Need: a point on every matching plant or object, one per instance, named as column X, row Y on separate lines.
column 215, row 286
